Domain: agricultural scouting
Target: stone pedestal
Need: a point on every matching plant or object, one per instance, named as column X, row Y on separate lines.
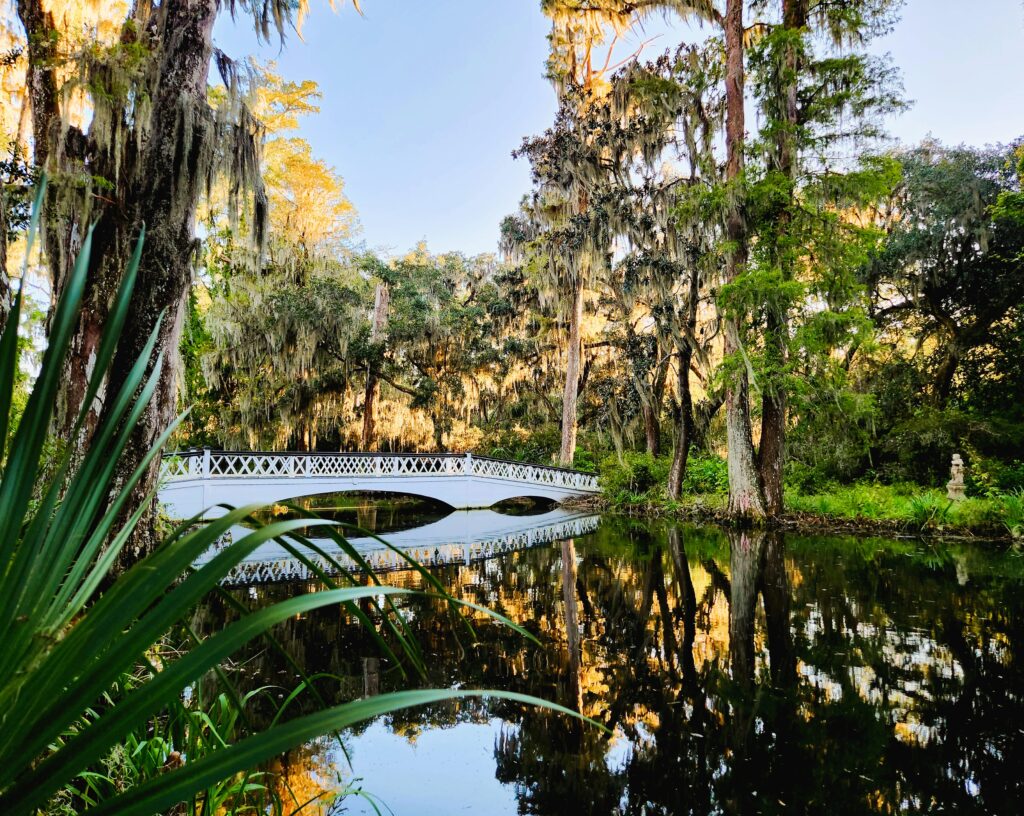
column 955, row 489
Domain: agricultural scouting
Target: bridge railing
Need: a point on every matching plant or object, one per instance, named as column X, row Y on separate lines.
column 256, row 570
column 209, row 464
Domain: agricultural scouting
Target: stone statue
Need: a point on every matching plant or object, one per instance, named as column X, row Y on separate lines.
column 955, row 486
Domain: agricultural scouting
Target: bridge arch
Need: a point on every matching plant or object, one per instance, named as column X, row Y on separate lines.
column 195, row 481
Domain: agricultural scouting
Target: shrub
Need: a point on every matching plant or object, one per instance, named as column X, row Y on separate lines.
column 537, row 445
column 929, row 510
column 584, row 460
column 992, row 478
column 706, row 474
column 635, row 478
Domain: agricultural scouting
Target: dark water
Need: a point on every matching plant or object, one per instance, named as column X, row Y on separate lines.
column 738, row 674
column 386, row 514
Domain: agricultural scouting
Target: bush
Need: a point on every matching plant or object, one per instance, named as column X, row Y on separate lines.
column 992, row 478
column 537, row 445
column 929, row 510
column 706, row 474
column 637, row 477
column 584, row 460
column 642, row 477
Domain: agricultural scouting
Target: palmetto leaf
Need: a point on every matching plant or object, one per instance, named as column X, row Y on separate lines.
column 64, row 648
column 165, row 791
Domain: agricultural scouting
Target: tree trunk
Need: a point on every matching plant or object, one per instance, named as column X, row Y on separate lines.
column 380, row 317
column 165, row 198
column 6, row 299
column 745, row 492
column 772, row 449
column 945, row 373
column 54, row 145
column 157, row 165
column 771, row 454
column 572, row 374
column 652, row 430
column 684, row 426
column 652, row 410
column 572, row 625
column 746, row 500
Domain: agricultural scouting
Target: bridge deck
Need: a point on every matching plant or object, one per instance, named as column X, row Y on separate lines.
column 193, row 481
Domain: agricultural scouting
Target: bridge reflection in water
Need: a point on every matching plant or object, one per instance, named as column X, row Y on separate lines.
column 461, row 537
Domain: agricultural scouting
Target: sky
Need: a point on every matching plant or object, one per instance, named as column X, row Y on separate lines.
column 423, row 102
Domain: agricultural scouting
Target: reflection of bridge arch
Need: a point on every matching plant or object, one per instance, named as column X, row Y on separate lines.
column 197, row 480
column 459, row 538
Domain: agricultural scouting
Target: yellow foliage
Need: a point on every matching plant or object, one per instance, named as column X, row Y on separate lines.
column 309, row 215
column 308, row 206
column 279, row 102
column 80, row 24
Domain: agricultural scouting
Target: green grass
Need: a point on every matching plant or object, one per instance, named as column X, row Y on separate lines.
column 922, row 509
column 638, row 480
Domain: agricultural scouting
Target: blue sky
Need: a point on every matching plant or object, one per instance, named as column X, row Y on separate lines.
column 424, row 101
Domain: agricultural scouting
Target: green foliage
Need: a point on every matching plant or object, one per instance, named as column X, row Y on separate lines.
column 870, row 501
column 636, row 478
column 539, row 445
column 991, row 478
column 584, row 460
column 1013, row 513
column 195, row 430
column 706, row 475
column 66, row 647
column 929, row 510
column 946, row 287
column 906, row 504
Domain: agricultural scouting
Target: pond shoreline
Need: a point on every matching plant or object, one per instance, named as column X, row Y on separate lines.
column 797, row 522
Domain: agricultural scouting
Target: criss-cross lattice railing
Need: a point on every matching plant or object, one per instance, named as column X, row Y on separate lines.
column 208, row 464
column 257, row 570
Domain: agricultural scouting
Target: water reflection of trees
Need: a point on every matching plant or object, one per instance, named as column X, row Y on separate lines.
column 742, row 673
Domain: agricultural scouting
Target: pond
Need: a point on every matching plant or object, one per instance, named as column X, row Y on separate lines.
column 738, row 673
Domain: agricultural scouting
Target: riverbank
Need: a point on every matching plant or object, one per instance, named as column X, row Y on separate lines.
column 892, row 510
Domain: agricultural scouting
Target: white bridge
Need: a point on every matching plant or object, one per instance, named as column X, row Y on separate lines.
column 193, row 482
column 462, row 537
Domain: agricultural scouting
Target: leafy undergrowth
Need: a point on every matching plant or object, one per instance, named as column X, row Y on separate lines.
column 637, row 484
column 910, row 507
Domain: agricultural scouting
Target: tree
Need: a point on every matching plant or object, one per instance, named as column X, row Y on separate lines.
column 818, row 94
column 814, row 91
column 281, row 325
column 150, row 148
column 554, row 225
column 952, row 265
column 440, row 344
column 378, row 326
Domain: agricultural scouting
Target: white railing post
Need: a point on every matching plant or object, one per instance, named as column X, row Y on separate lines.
column 206, row 463
column 469, row 464
column 306, row 465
